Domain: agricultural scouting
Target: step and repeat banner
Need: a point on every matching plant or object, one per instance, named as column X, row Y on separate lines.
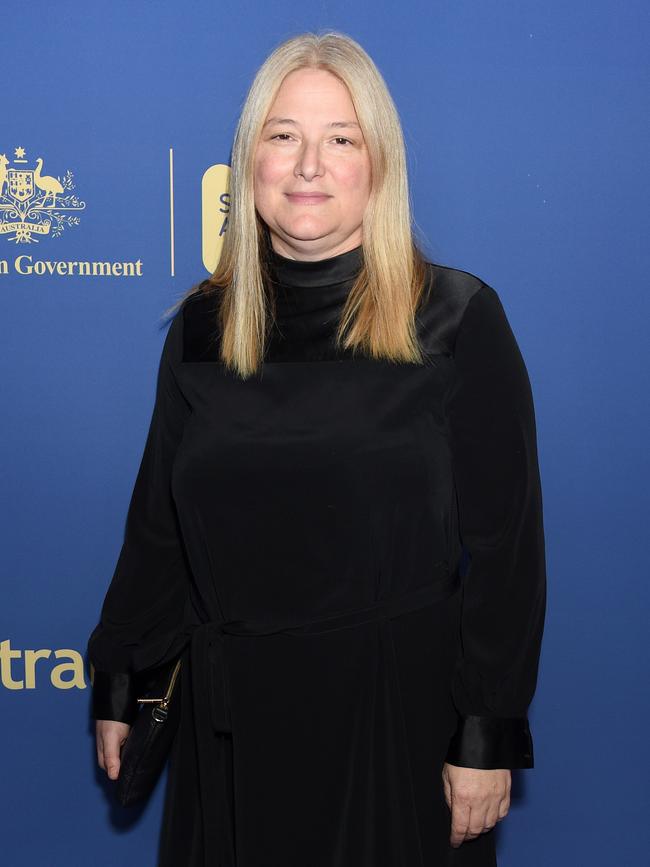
column 527, row 146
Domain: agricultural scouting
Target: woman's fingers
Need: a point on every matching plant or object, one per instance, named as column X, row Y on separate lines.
column 477, row 820
column 460, row 814
column 100, row 751
column 447, row 789
column 491, row 814
column 468, row 821
column 112, row 754
column 504, row 806
column 479, row 798
column 110, row 737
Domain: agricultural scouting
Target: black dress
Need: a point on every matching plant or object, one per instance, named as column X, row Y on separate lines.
column 299, row 537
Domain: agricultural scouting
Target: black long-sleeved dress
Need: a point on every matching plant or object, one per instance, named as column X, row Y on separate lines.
column 298, row 536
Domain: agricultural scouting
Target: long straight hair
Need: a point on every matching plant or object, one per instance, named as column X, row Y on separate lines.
column 378, row 318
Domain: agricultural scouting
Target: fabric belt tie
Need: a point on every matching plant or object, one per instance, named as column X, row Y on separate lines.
column 209, row 667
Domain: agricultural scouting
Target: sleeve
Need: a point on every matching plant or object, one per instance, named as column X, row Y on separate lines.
column 493, row 442
column 142, row 616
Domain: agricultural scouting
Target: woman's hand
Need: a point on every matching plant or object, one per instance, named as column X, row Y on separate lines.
column 478, row 799
column 110, row 737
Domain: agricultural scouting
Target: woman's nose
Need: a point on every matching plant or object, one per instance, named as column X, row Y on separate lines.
column 309, row 162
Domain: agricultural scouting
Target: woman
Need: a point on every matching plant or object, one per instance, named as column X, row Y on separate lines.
column 336, row 420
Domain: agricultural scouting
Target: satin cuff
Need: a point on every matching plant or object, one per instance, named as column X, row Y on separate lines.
column 491, row 742
column 114, row 696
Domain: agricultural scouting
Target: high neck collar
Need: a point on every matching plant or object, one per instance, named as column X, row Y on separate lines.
column 318, row 273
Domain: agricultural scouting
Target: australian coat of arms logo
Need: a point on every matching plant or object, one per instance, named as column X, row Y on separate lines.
column 33, row 204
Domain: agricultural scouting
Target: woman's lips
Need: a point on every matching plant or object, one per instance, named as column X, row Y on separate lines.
column 307, row 199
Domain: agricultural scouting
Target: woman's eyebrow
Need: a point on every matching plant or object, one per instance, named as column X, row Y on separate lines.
column 339, row 124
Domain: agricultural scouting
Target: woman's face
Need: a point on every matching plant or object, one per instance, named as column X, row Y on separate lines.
column 312, row 144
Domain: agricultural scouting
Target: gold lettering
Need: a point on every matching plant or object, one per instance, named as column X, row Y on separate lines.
column 73, row 662
column 31, row 656
column 42, row 267
column 75, row 665
column 6, row 655
column 18, row 264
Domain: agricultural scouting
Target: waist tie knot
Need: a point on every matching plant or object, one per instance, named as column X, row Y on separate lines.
column 209, row 639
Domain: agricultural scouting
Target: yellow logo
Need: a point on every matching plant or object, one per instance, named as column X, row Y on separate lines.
column 33, row 203
column 68, row 674
column 215, row 198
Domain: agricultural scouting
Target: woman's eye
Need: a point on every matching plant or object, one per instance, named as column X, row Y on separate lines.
column 285, row 135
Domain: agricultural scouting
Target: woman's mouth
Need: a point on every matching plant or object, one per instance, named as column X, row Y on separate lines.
column 307, row 198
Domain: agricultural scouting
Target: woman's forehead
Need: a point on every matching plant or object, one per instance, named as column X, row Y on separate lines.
column 307, row 84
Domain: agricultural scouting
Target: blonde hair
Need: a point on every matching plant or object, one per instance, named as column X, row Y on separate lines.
column 378, row 317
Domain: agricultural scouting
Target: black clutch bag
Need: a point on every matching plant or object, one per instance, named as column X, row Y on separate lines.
column 150, row 738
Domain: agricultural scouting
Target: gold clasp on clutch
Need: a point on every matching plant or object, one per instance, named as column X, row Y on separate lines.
column 164, row 701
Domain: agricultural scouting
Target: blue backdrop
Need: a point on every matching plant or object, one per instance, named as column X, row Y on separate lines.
column 527, row 132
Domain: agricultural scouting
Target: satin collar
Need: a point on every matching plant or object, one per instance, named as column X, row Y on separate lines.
column 319, row 273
